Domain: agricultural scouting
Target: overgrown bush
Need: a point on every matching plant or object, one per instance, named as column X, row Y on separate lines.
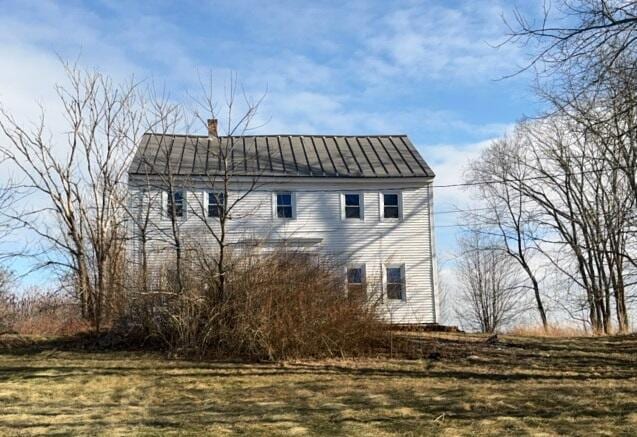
column 275, row 306
column 39, row 312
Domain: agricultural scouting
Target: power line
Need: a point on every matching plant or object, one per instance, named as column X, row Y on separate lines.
column 534, row 178
column 455, row 211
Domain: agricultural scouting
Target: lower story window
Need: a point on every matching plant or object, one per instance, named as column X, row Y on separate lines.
column 356, row 282
column 395, row 283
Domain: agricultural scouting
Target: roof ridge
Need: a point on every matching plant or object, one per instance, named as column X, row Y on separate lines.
column 280, row 135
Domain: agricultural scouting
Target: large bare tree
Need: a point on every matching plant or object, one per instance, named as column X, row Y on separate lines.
column 77, row 174
column 581, row 205
column 584, row 54
column 506, row 213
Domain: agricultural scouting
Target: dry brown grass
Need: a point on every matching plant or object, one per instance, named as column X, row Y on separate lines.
column 518, row 386
column 552, row 331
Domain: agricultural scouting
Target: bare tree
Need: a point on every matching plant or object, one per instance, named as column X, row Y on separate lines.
column 507, row 214
column 585, row 53
column 583, row 39
column 235, row 176
column 7, row 282
column 81, row 175
column 222, row 176
column 8, row 197
column 489, row 283
column 580, row 206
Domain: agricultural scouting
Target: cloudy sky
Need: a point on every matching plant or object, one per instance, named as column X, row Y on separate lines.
column 429, row 69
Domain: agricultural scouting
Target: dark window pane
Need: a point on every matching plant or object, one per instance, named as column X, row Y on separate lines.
column 284, row 211
column 393, row 274
column 352, row 212
column 355, row 276
column 394, row 291
column 391, row 211
column 215, row 204
column 391, row 208
column 355, row 284
column 175, row 204
column 284, row 199
column 352, row 200
column 390, row 199
column 284, row 205
column 394, row 283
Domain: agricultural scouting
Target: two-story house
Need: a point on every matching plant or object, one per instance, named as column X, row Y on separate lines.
column 366, row 199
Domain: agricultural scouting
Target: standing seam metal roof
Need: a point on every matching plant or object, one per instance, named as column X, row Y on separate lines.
column 280, row 155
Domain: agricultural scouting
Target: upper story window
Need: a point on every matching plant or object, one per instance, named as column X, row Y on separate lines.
column 356, row 282
column 175, row 205
column 284, row 205
column 391, row 206
column 395, row 282
column 216, row 203
column 353, row 206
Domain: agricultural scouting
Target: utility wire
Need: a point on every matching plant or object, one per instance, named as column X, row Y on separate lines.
column 534, row 178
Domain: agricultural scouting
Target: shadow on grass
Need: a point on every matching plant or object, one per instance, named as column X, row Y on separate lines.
column 325, row 409
column 558, row 369
column 84, row 342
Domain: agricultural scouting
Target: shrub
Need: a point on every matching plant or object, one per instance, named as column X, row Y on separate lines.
column 276, row 306
column 38, row 312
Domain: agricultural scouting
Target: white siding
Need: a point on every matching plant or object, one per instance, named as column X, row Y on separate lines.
column 373, row 241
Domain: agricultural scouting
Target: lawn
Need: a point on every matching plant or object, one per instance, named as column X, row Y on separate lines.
column 515, row 386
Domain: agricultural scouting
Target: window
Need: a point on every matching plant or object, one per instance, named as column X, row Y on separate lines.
column 395, row 283
column 356, row 282
column 284, row 207
column 175, row 204
column 353, row 206
column 391, row 206
column 215, row 204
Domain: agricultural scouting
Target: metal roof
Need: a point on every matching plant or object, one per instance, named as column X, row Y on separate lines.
column 280, row 155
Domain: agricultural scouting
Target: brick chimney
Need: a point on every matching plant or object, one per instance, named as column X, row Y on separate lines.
column 212, row 127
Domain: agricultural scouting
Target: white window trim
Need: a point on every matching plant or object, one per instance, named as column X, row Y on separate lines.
column 361, row 197
column 164, row 205
column 381, row 206
column 274, row 205
column 403, row 296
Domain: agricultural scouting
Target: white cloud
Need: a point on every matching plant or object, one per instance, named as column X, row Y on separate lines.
column 449, row 162
column 441, row 43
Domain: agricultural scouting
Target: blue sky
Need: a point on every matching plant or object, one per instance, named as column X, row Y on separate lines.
column 427, row 69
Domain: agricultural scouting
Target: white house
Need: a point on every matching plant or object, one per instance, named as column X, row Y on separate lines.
column 365, row 199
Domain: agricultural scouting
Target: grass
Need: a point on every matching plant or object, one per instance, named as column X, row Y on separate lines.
column 517, row 386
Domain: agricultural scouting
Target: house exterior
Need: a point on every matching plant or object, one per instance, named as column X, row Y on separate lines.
column 364, row 199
